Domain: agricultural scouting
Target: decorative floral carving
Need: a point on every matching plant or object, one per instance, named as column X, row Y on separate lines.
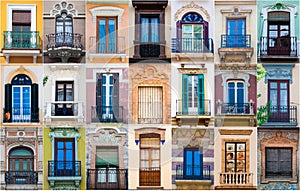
column 192, row 7
column 63, row 7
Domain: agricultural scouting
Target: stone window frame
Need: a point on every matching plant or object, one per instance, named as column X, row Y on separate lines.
column 278, row 142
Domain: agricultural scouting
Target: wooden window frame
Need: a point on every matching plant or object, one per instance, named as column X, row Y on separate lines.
column 106, row 32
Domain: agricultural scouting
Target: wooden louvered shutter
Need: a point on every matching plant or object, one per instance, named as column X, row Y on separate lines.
column 201, row 94
column 185, row 93
column 99, row 96
column 115, row 104
column 34, row 103
column 8, row 102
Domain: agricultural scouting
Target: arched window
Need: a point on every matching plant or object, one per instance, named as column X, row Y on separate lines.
column 21, row 159
column 21, row 100
column 64, row 29
column 193, row 32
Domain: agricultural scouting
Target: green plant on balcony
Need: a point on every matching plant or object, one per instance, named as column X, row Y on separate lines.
column 263, row 113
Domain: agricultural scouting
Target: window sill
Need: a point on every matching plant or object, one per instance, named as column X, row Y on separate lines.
column 269, row 180
column 91, row 56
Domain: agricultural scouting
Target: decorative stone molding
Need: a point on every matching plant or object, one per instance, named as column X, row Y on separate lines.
column 63, row 6
column 192, row 7
column 235, row 132
column 192, row 70
column 64, row 133
column 107, row 11
column 279, row 71
column 236, row 11
column 21, row 70
column 150, row 72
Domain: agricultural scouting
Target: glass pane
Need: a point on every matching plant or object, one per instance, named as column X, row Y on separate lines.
column 69, row 145
column 101, row 175
column 25, row 165
column 154, row 30
column 189, row 158
column 112, row 175
column 102, row 35
column 60, row 145
column 144, row 29
column 60, row 155
column 17, row 165
column 273, row 85
column 196, row 158
column 273, row 97
column 187, row 28
column 273, row 27
column 69, row 155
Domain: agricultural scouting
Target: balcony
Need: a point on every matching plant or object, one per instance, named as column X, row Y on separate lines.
column 107, row 179
column 115, row 48
column 280, row 115
column 21, row 177
column 21, row 115
column 64, row 111
column 21, row 43
column 278, row 48
column 236, row 179
column 64, row 168
column 200, row 115
column 235, row 114
column 64, row 45
column 150, row 177
column 199, row 176
column 107, row 114
column 235, row 48
column 192, row 45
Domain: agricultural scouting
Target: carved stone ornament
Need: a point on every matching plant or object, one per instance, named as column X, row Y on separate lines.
column 150, row 72
column 279, row 72
column 63, row 7
column 192, row 7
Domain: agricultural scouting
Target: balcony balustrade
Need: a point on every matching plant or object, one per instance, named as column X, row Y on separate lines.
column 107, row 114
column 21, row 177
column 192, row 45
column 21, row 40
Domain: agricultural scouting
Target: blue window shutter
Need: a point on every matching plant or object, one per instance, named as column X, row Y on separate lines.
column 201, row 94
column 185, row 93
column 231, row 93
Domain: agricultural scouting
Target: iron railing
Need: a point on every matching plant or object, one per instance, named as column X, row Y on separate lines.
column 107, row 114
column 204, row 108
column 236, row 178
column 149, row 49
column 64, row 168
column 150, row 177
column 21, row 39
column 235, row 108
column 21, row 177
column 278, row 46
column 192, row 172
column 235, row 41
column 21, row 115
column 192, row 45
column 107, row 179
column 281, row 114
column 101, row 46
column 64, row 39
column 64, row 108
column 150, row 112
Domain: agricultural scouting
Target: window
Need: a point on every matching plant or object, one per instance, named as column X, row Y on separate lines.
column 235, row 157
column 279, row 33
column 236, row 97
column 21, row 100
column 64, row 93
column 149, row 28
column 150, row 107
column 64, row 30
column 65, row 157
column 279, row 162
column 193, row 163
column 236, row 31
column 107, row 97
column 193, row 94
column 21, row 20
column 107, row 34
column 20, row 165
column 107, row 163
column 150, row 160
column 279, row 98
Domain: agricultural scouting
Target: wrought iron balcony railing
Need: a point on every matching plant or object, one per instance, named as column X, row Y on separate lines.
column 64, row 168
column 64, row 108
column 203, row 108
column 192, row 45
column 272, row 46
column 235, row 108
column 101, row 46
column 107, row 114
column 150, row 112
column 107, row 179
column 235, row 41
column 192, row 172
column 64, row 39
column 150, row 177
column 21, row 115
column 281, row 114
column 236, row 178
column 21, row 40
column 21, row 177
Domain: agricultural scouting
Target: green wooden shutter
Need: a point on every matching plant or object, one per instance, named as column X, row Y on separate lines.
column 8, row 101
column 185, row 95
column 107, row 157
column 201, row 105
column 34, row 103
column 115, row 101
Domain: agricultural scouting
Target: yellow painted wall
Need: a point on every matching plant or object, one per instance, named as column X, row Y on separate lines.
column 48, row 154
column 39, row 25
